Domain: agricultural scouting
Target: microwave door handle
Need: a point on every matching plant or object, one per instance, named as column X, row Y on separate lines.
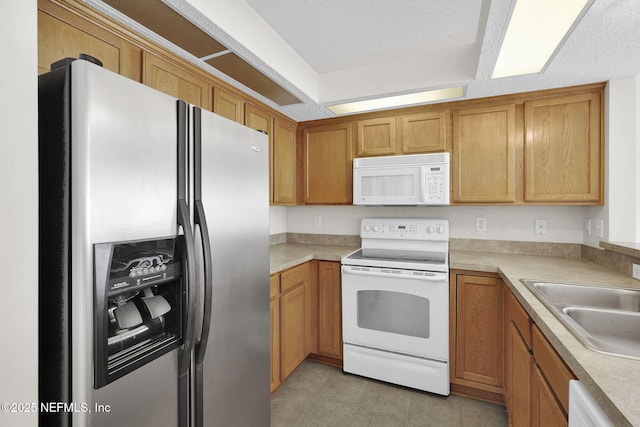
column 423, row 184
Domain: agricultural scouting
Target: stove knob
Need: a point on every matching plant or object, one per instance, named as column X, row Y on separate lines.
column 430, row 229
column 441, row 229
column 376, row 228
column 367, row 228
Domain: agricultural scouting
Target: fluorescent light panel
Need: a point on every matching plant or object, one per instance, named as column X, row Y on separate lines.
column 536, row 29
column 398, row 100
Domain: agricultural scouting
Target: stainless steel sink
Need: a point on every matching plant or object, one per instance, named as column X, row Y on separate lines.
column 585, row 295
column 605, row 319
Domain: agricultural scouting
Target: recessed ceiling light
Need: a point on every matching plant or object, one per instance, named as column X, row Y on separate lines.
column 536, row 30
column 398, row 100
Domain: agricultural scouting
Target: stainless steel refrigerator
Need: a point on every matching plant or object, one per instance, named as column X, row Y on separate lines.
column 153, row 258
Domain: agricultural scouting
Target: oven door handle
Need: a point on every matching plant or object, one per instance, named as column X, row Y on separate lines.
column 404, row 274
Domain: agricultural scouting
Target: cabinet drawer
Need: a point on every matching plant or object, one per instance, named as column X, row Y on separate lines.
column 294, row 277
column 552, row 366
column 517, row 314
column 274, row 284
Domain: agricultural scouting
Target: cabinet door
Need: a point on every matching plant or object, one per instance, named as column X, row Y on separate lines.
column 64, row 35
column 176, row 81
column 258, row 119
column 283, row 163
column 327, row 164
column 518, row 361
column 292, row 330
column 377, row 137
column 518, row 365
column 330, row 309
column 274, row 304
column 424, row 133
column 479, row 332
column 294, row 326
column 484, row 157
column 563, row 149
column 546, row 411
column 228, row 105
column 553, row 367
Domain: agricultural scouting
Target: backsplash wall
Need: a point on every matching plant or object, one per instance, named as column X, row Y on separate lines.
column 503, row 222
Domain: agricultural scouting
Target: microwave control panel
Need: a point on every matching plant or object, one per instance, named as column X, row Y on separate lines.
column 436, row 185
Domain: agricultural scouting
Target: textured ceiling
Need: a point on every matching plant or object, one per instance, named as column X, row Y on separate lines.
column 332, row 51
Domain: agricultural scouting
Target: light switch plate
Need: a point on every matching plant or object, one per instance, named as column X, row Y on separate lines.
column 481, row 224
column 587, row 226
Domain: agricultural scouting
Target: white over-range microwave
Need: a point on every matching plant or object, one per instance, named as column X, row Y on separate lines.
column 414, row 180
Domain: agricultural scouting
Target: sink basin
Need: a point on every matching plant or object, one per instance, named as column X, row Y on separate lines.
column 609, row 331
column 604, row 319
column 585, row 295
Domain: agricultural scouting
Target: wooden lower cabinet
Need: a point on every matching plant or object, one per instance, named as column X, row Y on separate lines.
column 518, row 361
column 274, row 308
column 546, row 410
column 477, row 333
column 306, row 317
column 329, row 309
column 292, row 330
column 536, row 378
column 294, row 285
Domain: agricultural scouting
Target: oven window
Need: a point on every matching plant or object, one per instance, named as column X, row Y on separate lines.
column 394, row 312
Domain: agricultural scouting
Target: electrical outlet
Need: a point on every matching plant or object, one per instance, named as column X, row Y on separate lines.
column 636, row 271
column 599, row 228
column 317, row 221
column 481, row 224
column 587, row 226
column 540, row 226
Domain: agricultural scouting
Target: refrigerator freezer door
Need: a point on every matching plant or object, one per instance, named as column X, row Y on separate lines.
column 124, row 187
column 235, row 194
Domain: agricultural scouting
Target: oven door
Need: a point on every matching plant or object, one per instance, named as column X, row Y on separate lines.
column 402, row 311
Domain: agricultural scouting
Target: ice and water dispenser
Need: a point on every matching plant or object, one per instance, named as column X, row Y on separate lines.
column 138, row 305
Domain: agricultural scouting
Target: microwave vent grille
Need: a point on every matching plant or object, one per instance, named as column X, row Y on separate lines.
column 411, row 159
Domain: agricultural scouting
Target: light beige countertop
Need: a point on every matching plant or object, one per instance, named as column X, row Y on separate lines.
column 289, row 255
column 613, row 381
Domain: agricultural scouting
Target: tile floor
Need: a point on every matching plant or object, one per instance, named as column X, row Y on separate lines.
column 319, row 395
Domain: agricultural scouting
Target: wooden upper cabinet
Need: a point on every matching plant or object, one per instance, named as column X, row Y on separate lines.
column 283, row 163
column 59, row 39
column 483, row 161
column 327, row 164
column 258, row 119
column 376, row 137
column 176, row 81
column 228, row 105
column 424, row 133
column 563, row 149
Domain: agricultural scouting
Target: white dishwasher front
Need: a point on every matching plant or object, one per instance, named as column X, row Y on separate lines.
column 583, row 409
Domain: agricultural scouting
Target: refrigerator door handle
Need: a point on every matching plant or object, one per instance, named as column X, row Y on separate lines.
column 184, row 220
column 201, row 345
column 200, row 219
column 184, row 355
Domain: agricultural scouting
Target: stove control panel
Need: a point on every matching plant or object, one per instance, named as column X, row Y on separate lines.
column 404, row 228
